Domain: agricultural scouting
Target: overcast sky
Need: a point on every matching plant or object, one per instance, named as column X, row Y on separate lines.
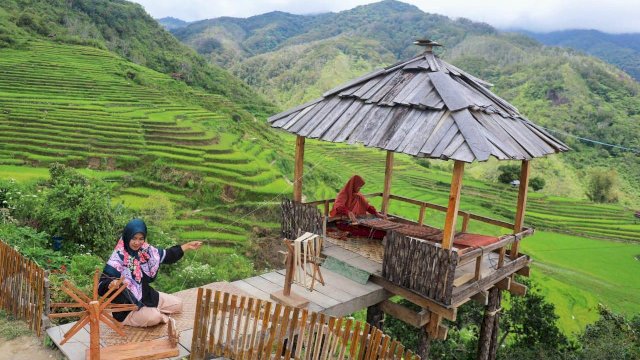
column 536, row 15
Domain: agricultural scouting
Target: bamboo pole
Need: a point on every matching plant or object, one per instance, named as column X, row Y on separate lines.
column 298, row 169
column 522, row 204
column 454, row 205
column 388, row 173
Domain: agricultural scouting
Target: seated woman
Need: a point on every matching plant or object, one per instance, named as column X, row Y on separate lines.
column 351, row 203
column 138, row 262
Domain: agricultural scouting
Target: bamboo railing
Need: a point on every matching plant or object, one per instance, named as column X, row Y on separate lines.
column 239, row 327
column 22, row 287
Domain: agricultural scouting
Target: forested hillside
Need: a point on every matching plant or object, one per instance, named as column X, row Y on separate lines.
column 621, row 50
column 293, row 59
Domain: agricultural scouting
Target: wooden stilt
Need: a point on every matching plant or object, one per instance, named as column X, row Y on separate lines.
column 298, row 169
column 522, row 204
column 454, row 204
column 424, row 343
column 375, row 316
column 487, row 342
column 388, row 173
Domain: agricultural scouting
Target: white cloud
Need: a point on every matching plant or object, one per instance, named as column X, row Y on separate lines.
column 538, row 15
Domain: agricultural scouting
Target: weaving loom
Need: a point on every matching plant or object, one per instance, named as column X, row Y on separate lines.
column 307, row 260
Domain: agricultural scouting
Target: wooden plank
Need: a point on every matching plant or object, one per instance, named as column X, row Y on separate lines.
column 329, row 119
column 328, row 289
column 467, row 290
column 449, row 90
column 473, row 134
column 75, row 348
column 343, row 121
column 421, row 132
column 454, row 203
column 448, row 313
column 251, row 290
column 416, row 319
column 348, row 307
column 316, row 297
column 152, row 349
column 518, row 289
column 351, row 125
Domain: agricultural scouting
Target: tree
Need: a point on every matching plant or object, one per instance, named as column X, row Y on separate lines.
column 611, row 337
column 602, row 186
column 537, row 183
column 508, row 173
column 531, row 325
column 78, row 209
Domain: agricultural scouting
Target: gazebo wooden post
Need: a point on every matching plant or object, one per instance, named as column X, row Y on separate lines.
column 454, row 204
column 388, row 173
column 298, row 169
column 522, row 204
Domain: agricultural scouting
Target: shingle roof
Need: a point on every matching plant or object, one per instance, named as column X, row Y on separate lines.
column 423, row 107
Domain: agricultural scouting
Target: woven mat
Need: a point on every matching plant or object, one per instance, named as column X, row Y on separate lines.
column 184, row 320
column 371, row 249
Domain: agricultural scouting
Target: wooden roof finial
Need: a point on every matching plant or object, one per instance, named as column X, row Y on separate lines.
column 428, row 44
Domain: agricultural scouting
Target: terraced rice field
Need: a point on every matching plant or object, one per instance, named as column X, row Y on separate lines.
column 90, row 109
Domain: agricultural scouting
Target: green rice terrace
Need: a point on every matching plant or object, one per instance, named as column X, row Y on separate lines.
column 95, row 111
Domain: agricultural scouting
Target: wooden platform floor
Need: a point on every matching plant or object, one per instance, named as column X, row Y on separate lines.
column 367, row 255
column 339, row 297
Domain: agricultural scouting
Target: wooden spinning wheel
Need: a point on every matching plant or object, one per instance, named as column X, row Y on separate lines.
column 98, row 309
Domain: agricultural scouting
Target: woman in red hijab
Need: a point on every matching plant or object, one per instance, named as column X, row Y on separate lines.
column 350, row 202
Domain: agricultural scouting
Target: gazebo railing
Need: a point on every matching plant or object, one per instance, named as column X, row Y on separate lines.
column 466, row 216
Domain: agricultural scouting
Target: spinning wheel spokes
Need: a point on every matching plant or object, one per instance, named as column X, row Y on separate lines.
column 94, row 311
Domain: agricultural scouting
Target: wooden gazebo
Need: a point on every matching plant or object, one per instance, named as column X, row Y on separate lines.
column 428, row 108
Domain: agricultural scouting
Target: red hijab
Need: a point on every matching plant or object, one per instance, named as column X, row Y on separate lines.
column 351, row 198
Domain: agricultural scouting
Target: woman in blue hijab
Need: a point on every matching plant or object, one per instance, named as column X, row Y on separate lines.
column 138, row 262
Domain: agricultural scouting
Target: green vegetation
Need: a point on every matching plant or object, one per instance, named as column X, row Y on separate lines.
column 621, row 50
column 150, row 144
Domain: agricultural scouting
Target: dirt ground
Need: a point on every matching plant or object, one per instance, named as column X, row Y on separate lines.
column 27, row 347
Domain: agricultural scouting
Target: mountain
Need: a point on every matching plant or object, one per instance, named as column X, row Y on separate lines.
column 621, row 50
column 295, row 58
column 171, row 23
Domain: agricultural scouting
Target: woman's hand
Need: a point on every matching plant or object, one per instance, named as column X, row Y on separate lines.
column 193, row 245
column 112, row 284
column 353, row 218
column 381, row 216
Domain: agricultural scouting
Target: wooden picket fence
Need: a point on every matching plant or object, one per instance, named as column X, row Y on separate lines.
column 22, row 287
column 239, row 327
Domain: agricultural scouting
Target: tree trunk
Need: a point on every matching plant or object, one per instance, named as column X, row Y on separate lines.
column 375, row 316
column 488, row 339
column 424, row 343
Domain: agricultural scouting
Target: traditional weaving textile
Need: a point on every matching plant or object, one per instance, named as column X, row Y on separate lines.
column 418, row 231
column 307, row 260
column 380, row 224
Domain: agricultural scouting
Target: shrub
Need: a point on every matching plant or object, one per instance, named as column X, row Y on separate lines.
column 508, row 173
column 602, row 186
column 33, row 245
column 80, row 211
column 158, row 211
column 537, row 183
